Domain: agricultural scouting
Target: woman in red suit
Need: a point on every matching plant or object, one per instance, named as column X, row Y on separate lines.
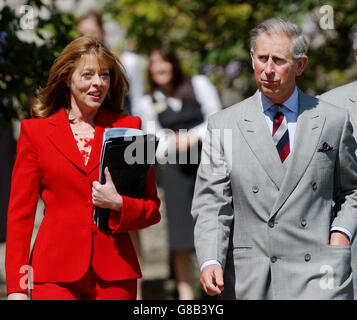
column 58, row 158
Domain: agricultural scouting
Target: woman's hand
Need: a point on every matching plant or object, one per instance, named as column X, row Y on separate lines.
column 186, row 140
column 17, row 296
column 105, row 195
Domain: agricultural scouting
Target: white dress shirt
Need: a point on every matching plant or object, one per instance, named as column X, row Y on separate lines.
column 132, row 64
column 290, row 110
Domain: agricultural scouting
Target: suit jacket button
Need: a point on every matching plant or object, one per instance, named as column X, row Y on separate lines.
column 255, row 189
column 303, row 222
column 271, row 223
column 314, row 186
column 307, row 257
column 273, row 259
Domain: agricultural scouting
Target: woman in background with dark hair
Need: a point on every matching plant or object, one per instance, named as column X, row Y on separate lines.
column 181, row 107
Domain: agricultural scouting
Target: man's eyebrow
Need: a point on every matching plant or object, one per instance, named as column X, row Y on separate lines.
column 274, row 56
column 279, row 57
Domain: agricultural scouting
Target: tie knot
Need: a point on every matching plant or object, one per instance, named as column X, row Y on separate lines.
column 278, row 115
column 277, row 107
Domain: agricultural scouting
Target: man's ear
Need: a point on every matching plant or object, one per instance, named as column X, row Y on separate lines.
column 252, row 58
column 301, row 64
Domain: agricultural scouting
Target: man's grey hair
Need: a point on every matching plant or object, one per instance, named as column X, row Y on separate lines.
column 354, row 36
column 278, row 25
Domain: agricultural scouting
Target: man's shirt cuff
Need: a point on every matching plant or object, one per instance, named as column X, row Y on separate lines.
column 209, row 262
column 343, row 230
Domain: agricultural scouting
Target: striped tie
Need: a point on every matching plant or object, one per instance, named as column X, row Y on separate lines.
column 281, row 135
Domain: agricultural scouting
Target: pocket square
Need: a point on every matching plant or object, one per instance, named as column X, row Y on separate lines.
column 324, row 147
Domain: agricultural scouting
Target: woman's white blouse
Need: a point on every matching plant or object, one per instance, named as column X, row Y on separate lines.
column 206, row 95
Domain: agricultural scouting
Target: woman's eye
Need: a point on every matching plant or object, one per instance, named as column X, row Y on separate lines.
column 86, row 75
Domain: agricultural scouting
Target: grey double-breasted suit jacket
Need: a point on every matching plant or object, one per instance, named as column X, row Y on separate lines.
column 346, row 97
column 269, row 227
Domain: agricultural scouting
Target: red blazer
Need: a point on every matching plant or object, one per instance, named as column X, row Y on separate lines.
column 49, row 164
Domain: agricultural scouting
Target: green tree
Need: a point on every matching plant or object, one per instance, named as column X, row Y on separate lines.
column 24, row 66
column 212, row 36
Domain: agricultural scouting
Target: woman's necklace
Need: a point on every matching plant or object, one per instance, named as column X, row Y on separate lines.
column 83, row 133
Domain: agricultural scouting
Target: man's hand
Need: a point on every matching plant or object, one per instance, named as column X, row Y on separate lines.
column 339, row 239
column 212, row 279
column 106, row 195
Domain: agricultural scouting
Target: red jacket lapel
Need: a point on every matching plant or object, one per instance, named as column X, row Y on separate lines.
column 107, row 119
column 62, row 138
column 104, row 119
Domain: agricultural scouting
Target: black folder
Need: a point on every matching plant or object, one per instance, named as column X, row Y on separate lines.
column 128, row 154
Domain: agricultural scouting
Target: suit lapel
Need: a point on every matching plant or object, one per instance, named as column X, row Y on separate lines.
column 62, row 138
column 351, row 105
column 308, row 131
column 101, row 122
column 256, row 132
column 353, row 99
column 104, row 119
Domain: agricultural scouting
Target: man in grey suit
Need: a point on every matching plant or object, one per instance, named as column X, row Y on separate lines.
column 275, row 206
column 346, row 97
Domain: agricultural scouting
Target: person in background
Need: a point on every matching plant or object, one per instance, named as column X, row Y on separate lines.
column 8, row 137
column 345, row 96
column 58, row 155
column 8, row 144
column 176, row 110
column 92, row 24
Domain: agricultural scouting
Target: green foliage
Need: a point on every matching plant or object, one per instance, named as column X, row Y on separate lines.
column 210, row 36
column 213, row 34
column 24, row 66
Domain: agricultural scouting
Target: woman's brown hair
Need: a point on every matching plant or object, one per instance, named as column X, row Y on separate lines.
column 182, row 86
column 56, row 94
column 177, row 74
